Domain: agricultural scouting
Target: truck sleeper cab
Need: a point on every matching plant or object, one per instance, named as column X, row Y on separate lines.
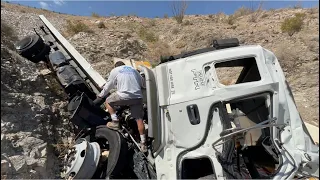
column 243, row 127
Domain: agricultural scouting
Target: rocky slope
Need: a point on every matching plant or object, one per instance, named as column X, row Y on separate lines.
column 33, row 115
column 137, row 38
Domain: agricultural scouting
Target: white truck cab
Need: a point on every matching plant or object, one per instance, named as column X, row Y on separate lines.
column 249, row 124
column 219, row 113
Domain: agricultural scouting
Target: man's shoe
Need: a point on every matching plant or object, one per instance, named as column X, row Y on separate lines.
column 143, row 147
column 114, row 125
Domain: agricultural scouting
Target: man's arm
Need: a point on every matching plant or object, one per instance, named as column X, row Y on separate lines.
column 109, row 85
column 142, row 80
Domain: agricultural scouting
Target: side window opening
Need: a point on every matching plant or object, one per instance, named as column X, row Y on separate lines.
column 237, row 71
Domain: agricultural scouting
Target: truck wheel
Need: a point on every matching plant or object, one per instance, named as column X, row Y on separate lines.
column 31, row 47
column 118, row 148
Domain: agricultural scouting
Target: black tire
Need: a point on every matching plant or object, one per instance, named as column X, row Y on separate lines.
column 31, row 46
column 118, row 148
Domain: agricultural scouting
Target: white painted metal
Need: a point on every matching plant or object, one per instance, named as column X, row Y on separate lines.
column 94, row 76
column 82, row 161
column 178, row 90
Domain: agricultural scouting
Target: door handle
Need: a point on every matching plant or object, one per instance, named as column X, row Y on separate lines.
column 193, row 114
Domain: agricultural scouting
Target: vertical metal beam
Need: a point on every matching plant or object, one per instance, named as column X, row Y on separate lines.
column 93, row 75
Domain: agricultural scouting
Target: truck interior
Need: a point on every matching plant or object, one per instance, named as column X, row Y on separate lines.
column 250, row 154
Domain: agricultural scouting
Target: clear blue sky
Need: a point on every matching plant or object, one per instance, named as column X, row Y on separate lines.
column 153, row 8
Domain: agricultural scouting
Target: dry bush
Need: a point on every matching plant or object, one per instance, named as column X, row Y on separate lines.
column 179, row 9
column 181, row 44
column 101, row 25
column 152, row 22
column 231, row 19
column 74, row 28
column 293, row 25
column 165, row 16
column 8, row 35
column 256, row 12
column 175, row 31
column 96, row 15
column 187, row 22
column 313, row 10
column 147, row 35
column 288, row 57
column 157, row 50
column 242, row 11
column 264, row 16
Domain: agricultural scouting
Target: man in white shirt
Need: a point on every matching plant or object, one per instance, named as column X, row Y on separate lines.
column 128, row 83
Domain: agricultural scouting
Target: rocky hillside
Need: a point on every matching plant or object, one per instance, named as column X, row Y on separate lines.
column 99, row 39
column 33, row 114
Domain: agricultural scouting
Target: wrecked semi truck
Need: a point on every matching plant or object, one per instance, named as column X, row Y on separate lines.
column 199, row 125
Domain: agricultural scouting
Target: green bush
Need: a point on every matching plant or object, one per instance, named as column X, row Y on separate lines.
column 74, row 28
column 293, row 25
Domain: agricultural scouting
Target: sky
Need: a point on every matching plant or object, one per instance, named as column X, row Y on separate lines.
column 153, row 8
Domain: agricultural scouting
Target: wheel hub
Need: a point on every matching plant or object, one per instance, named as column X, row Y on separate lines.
column 82, row 160
column 24, row 43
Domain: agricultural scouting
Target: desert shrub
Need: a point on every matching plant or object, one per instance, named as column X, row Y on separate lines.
column 148, row 36
column 231, row 19
column 288, row 57
column 256, row 12
column 264, row 16
column 242, row 11
column 175, row 31
column 158, row 50
column 133, row 26
column 23, row 11
column 165, row 16
column 152, row 22
column 210, row 16
column 313, row 10
column 179, row 9
column 96, row 15
column 7, row 35
column 187, row 22
column 181, row 44
column 101, row 25
column 74, row 28
column 293, row 24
